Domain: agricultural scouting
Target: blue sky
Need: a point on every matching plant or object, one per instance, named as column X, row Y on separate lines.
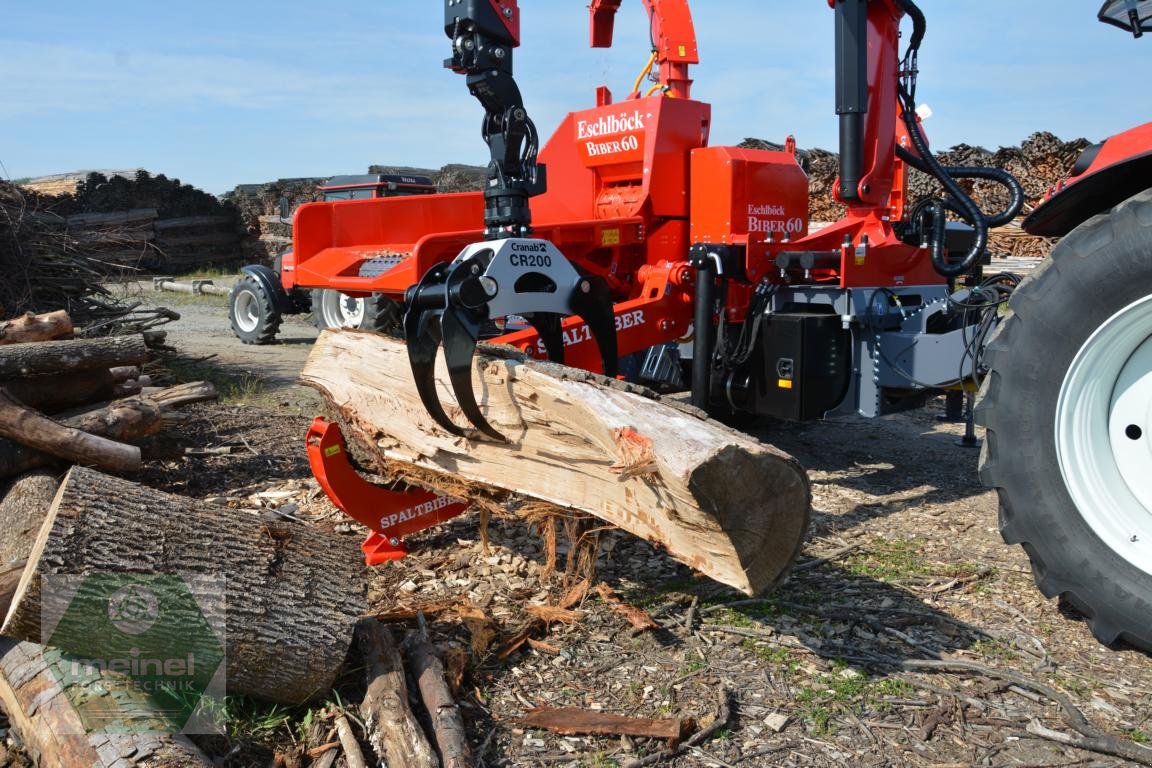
column 219, row 94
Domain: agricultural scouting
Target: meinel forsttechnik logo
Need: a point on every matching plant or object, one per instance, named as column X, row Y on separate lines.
column 137, row 652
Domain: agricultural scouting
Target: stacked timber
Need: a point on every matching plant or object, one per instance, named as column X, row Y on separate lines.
column 142, row 222
column 1039, row 162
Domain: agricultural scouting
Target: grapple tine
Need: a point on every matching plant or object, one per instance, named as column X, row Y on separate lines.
column 460, row 334
column 426, row 302
column 547, row 324
column 422, row 337
column 592, row 301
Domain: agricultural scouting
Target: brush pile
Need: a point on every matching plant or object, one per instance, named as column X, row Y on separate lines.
column 1039, row 162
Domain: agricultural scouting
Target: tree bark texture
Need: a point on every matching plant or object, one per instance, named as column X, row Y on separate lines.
column 292, row 594
column 391, row 728
column 716, row 499
column 30, row 428
column 51, row 726
column 40, row 357
column 123, row 420
column 447, row 725
column 32, row 327
column 53, row 392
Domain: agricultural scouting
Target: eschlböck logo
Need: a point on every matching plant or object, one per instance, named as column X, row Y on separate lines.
column 608, row 125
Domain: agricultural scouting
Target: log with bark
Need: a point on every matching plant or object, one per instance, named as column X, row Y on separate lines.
column 23, row 505
column 52, row 719
column 716, row 499
column 34, row 430
column 33, row 327
column 53, row 392
column 50, row 357
column 447, row 725
column 389, row 723
column 128, row 420
column 293, row 595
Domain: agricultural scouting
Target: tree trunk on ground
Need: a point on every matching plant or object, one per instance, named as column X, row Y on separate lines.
column 51, row 721
column 389, row 724
column 26, row 426
column 292, row 594
column 23, row 506
column 57, row 392
column 426, row 668
column 717, row 499
column 32, row 327
column 36, row 358
column 123, row 420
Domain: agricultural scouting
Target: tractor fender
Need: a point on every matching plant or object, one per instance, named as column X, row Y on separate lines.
column 1104, row 176
column 270, row 282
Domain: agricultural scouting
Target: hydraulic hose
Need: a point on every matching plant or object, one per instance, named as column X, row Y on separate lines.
column 961, row 202
column 1000, row 176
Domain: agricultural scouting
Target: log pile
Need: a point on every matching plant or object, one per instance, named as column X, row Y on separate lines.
column 144, row 222
column 266, row 235
column 1039, row 162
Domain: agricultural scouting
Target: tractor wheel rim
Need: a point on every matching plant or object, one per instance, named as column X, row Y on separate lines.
column 247, row 311
column 342, row 311
column 1104, row 433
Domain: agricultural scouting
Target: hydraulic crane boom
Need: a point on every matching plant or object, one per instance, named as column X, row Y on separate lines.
column 673, row 40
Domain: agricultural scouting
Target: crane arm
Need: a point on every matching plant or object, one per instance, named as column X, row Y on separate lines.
column 483, row 34
column 673, row 38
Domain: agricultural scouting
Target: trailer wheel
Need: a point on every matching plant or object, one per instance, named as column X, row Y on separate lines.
column 1068, row 409
column 333, row 309
column 254, row 318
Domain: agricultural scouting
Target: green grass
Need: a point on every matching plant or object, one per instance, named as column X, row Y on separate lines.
column 827, row 694
column 1138, row 736
column 177, row 299
column 889, row 560
column 233, row 387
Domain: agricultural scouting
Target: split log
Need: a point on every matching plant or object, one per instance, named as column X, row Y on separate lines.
column 33, row 327
column 389, row 724
column 9, row 580
column 30, row 428
column 572, row 722
column 293, row 595
column 52, row 720
column 716, row 499
column 447, row 725
column 35, row 358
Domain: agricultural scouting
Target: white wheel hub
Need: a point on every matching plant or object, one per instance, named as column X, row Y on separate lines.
column 1104, row 432
column 246, row 310
column 341, row 311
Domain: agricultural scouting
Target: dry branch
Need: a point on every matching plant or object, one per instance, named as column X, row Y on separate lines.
column 26, row 426
column 569, row 721
column 447, row 725
column 389, row 724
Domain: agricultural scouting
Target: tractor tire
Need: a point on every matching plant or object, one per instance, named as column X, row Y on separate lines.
column 252, row 313
column 1067, row 409
column 332, row 309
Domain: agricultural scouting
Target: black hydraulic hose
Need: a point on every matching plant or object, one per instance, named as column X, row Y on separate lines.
column 998, row 175
column 968, row 208
column 919, row 23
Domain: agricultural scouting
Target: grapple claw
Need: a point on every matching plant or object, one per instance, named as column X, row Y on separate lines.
column 513, row 276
